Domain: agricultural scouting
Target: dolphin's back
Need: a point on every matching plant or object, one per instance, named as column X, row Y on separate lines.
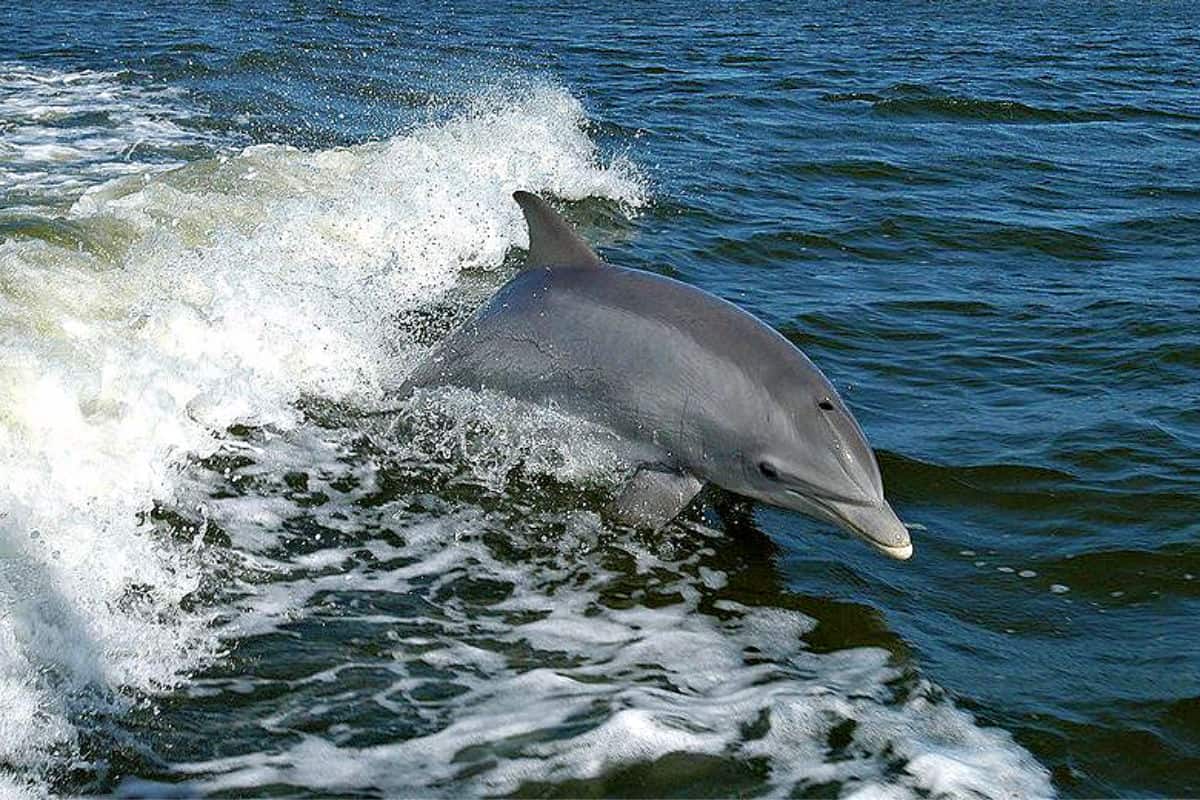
column 646, row 355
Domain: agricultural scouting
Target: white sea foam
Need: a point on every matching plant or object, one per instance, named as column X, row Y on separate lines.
column 218, row 293
column 554, row 685
column 65, row 130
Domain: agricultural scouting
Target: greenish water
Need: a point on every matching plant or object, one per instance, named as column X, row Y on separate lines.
column 226, row 232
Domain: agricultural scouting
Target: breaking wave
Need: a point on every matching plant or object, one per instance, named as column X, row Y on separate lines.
column 183, row 303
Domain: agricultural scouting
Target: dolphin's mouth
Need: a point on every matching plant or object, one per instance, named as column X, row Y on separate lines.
column 876, row 524
column 898, row 552
column 879, row 527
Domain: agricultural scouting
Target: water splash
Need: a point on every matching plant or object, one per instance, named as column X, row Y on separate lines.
column 218, row 293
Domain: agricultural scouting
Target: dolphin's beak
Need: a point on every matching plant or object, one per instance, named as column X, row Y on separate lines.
column 873, row 521
column 878, row 525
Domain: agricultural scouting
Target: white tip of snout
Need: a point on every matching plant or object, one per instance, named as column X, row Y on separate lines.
column 880, row 527
column 900, row 553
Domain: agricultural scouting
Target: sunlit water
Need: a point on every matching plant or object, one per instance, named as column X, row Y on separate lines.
column 226, row 236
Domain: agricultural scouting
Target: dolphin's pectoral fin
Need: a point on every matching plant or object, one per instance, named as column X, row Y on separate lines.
column 552, row 242
column 653, row 497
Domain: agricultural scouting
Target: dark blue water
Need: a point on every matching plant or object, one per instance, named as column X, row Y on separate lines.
column 983, row 223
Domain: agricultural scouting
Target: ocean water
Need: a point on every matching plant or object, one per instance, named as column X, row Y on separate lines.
column 228, row 231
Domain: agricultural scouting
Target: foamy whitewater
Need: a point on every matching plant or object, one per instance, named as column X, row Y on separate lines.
column 161, row 357
column 65, row 130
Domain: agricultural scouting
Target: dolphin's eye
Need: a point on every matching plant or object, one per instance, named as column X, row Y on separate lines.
column 825, row 405
column 769, row 472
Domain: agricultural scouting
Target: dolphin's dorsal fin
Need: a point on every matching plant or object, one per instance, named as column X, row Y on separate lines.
column 552, row 242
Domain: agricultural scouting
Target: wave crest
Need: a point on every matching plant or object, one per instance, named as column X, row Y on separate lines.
column 223, row 292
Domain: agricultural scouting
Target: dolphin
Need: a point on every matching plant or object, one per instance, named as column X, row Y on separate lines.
column 700, row 390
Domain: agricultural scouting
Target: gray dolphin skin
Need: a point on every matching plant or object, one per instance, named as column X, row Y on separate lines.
column 698, row 388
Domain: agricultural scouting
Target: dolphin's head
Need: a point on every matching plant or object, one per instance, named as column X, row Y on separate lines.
column 810, row 455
